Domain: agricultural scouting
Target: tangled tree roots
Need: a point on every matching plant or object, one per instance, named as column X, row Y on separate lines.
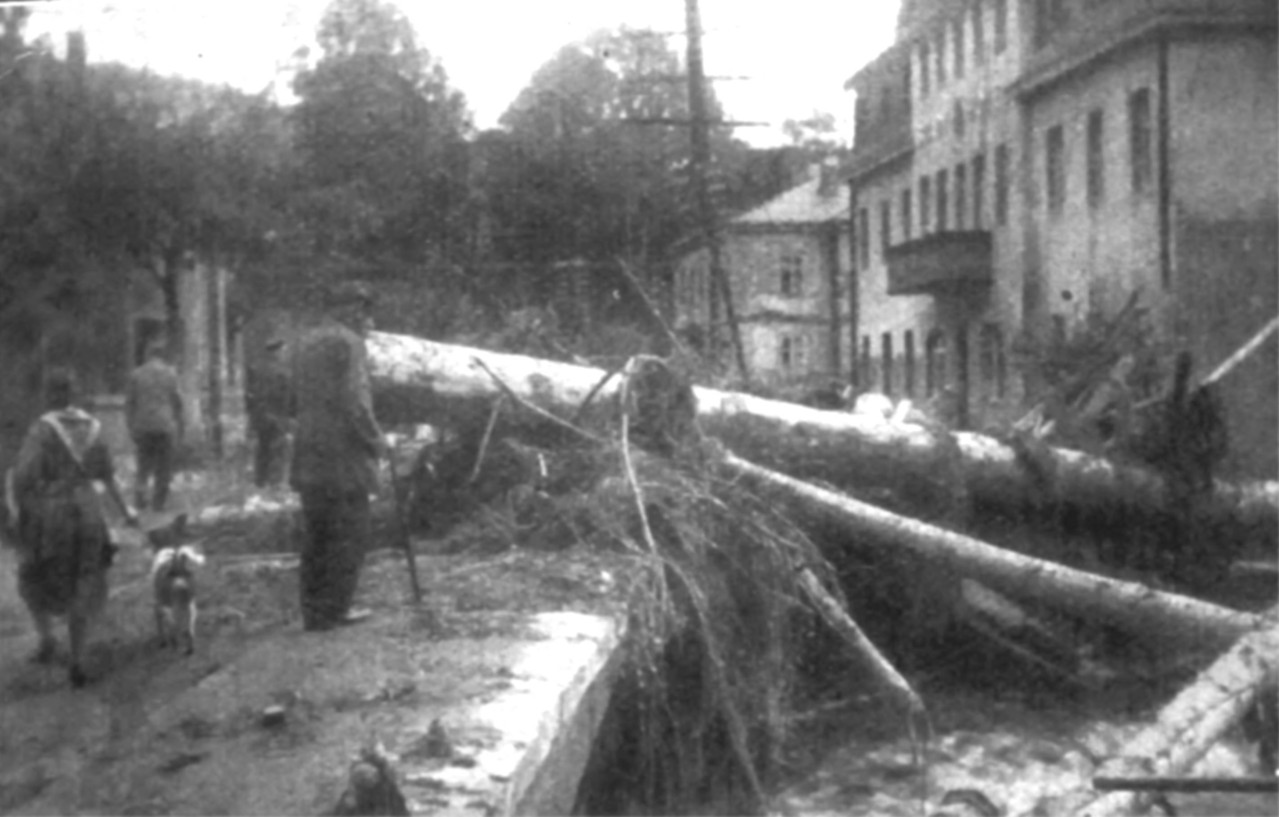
column 717, row 624
column 718, row 615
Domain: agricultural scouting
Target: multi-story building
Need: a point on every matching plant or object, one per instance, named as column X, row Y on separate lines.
column 785, row 261
column 1020, row 165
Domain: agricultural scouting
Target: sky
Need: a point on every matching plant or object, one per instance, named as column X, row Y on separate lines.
column 795, row 55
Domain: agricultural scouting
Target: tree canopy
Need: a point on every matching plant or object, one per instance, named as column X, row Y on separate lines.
column 379, row 136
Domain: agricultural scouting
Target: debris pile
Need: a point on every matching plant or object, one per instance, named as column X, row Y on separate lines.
column 748, row 517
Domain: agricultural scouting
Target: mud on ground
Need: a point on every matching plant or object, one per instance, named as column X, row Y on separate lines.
column 162, row 733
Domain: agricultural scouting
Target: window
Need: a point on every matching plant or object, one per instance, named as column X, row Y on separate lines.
column 979, row 36
column 886, row 352
column 1139, row 138
column 1051, row 16
column 792, row 275
column 1054, row 168
column 959, row 47
column 864, row 369
column 909, row 362
column 957, row 119
column 994, row 364
column 1001, row 25
column 924, row 57
column 907, row 215
column 979, row 190
column 885, row 226
column 934, row 363
column 941, row 56
column 925, row 203
column 793, row 352
column 943, row 202
column 1002, row 160
column 863, row 238
column 961, row 197
column 1096, row 158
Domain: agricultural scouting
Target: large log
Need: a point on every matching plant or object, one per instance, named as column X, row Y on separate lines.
column 415, row 380
column 1128, row 606
column 1191, row 723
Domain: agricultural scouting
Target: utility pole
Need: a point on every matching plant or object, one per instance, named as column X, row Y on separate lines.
column 699, row 131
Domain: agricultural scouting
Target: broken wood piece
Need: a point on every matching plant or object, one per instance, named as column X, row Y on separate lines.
column 1246, row 785
column 1129, row 606
column 1188, row 726
column 415, row 380
column 1242, row 354
column 484, row 441
column 535, row 409
column 835, row 616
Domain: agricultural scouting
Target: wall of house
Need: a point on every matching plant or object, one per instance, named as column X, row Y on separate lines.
column 786, row 333
column 882, row 314
column 961, row 121
column 1225, row 218
column 787, row 338
column 1091, row 256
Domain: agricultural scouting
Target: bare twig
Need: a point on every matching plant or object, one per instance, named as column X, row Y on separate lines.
column 484, row 442
column 1242, row 354
column 1225, row 367
column 651, row 307
column 630, row 471
column 577, row 415
column 715, row 663
column 540, row 412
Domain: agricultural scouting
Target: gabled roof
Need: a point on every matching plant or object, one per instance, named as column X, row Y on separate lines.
column 804, row 204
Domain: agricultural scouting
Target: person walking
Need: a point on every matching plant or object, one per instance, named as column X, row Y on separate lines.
column 335, row 456
column 266, row 399
column 63, row 542
column 153, row 413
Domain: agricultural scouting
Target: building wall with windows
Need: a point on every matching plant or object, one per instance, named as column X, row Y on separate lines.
column 1086, row 151
column 786, row 262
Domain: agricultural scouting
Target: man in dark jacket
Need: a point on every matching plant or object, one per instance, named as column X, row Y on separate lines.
column 153, row 412
column 266, row 401
column 335, row 456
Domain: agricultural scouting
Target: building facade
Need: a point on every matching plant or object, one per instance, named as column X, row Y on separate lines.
column 786, row 261
column 1022, row 166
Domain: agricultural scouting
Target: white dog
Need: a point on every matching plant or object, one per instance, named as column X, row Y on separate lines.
column 173, row 580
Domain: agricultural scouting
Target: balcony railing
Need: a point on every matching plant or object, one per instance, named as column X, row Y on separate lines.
column 950, row 263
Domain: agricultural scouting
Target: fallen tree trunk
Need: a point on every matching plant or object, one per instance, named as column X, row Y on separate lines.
column 1125, row 605
column 421, row 381
column 1192, row 722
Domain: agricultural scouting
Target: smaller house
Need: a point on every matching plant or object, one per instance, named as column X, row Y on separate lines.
column 785, row 261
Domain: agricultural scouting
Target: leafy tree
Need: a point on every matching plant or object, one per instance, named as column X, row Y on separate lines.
column 594, row 162
column 817, row 135
column 382, row 174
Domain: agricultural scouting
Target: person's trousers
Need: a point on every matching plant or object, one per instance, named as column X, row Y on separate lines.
column 155, row 460
column 337, row 529
column 269, row 450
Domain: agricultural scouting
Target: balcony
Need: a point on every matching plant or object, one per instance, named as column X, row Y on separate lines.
column 952, row 263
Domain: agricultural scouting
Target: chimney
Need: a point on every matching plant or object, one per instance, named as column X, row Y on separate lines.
column 76, row 53
column 828, row 173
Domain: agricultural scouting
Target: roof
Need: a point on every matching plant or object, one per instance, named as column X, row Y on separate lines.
column 803, row 204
